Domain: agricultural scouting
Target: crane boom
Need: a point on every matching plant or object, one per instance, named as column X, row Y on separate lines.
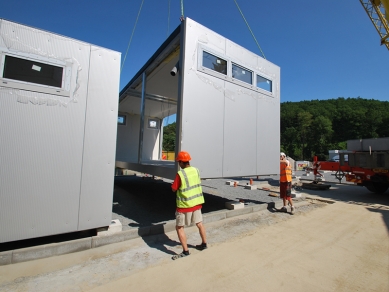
column 378, row 12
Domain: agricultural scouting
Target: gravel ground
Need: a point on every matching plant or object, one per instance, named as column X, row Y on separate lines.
column 143, row 201
column 99, row 267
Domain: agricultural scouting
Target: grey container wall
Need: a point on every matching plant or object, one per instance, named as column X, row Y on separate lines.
column 229, row 127
column 57, row 151
column 372, row 144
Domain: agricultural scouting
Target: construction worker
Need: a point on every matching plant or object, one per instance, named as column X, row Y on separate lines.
column 316, row 173
column 187, row 186
column 286, row 183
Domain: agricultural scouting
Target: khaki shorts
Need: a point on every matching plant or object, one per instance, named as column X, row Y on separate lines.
column 188, row 218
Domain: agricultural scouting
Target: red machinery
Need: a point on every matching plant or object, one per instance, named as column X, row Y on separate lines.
column 367, row 165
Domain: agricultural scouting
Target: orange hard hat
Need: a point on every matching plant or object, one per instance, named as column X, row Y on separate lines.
column 183, row 156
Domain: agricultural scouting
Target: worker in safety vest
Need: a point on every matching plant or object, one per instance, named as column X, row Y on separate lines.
column 286, row 183
column 187, row 186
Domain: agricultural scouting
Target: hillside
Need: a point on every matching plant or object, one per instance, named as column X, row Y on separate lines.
column 313, row 127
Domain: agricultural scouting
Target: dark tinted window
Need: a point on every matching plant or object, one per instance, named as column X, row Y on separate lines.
column 33, row 72
column 214, row 63
column 242, row 74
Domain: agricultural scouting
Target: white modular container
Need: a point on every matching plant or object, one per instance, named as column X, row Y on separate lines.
column 227, row 105
column 58, row 121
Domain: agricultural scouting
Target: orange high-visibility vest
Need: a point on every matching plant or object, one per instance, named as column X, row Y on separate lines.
column 285, row 172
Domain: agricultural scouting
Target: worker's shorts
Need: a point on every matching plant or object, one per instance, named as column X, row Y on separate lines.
column 286, row 190
column 188, row 218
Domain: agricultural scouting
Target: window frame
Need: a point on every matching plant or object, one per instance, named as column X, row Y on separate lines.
column 64, row 90
column 157, row 121
column 239, row 80
column 204, row 69
column 228, row 77
column 267, row 78
column 124, row 123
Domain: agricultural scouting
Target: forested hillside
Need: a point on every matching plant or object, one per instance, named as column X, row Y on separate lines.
column 311, row 128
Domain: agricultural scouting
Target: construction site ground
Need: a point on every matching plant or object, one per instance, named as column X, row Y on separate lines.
column 337, row 240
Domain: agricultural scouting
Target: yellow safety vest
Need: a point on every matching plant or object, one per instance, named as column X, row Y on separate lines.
column 190, row 193
column 285, row 172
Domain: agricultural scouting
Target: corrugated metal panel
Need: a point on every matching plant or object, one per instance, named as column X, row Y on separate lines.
column 41, row 142
column 43, row 149
column 203, row 123
column 100, row 139
column 224, row 118
column 240, row 135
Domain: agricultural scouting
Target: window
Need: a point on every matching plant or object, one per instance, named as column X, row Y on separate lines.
column 153, row 124
column 264, row 83
column 121, row 120
column 214, row 63
column 242, row 74
column 32, row 71
column 19, row 70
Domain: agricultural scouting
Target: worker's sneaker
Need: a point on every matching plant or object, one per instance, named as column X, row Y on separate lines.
column 181, row 255
column 283, row 209
column 292, row 210
column 201, row 246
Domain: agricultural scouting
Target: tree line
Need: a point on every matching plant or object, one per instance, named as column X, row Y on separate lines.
column 310, row 128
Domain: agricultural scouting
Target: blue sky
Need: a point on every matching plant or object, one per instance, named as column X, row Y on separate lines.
column 326, row 49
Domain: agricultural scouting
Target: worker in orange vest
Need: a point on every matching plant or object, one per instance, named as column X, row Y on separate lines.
column 286, row 183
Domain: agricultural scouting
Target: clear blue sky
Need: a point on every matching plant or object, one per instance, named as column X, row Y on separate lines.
column 326, row 49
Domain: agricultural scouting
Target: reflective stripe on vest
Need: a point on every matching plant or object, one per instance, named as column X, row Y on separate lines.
column 285, row 172
column 190, row 193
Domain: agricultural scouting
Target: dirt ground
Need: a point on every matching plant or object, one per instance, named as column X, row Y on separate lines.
column 342, row 246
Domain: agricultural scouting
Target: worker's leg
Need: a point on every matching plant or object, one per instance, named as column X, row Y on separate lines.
column 290, row 201
column 283, row 194
column 203, row 235
column 198, row 219
column 180, row 222
column 182, row 237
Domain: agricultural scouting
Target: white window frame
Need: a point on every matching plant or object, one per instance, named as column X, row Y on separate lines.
column 64, row 90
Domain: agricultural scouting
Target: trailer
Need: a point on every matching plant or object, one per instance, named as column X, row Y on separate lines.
column 227, row 105
column 367, row 164
column 58, row 122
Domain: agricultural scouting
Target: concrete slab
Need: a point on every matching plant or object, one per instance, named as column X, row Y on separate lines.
column 261, row 207
column 250, row 187
column 114, row 238
column 233, row 205
column 238, row 212
column 5, row 258
column 214, row 216
column 114, row 227
column 48, row 250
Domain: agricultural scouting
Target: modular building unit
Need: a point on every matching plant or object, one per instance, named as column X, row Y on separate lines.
column 58, row 122
column 226, row 100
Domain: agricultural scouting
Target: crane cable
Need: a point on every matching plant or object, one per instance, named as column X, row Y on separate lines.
column 250, row 29
column 182, row 11
column 168, row 19
column 129, row 43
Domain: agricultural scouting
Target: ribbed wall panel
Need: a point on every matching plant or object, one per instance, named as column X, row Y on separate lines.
column 42, row 142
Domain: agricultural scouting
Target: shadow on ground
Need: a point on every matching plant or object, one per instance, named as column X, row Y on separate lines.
column 146, row 202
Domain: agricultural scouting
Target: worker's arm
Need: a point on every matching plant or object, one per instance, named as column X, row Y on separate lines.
column 176, row 183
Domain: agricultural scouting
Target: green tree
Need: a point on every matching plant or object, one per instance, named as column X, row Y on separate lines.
column 169, row 137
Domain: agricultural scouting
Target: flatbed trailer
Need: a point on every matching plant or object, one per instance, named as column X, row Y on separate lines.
column 367, row 165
